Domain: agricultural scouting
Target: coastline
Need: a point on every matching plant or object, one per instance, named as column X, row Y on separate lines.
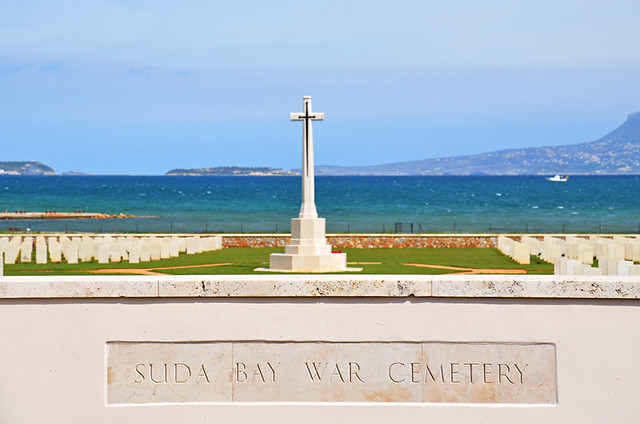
column 23, row 215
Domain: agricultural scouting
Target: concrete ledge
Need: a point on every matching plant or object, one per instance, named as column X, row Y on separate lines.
column 451, row 286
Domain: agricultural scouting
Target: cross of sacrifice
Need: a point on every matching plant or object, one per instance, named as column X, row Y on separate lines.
column 308, row 208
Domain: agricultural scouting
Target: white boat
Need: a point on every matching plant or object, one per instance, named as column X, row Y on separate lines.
column 558, row 178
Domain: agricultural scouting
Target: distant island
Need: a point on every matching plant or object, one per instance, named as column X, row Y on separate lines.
column 617, row 153
column 233, row 171
column 25, row 168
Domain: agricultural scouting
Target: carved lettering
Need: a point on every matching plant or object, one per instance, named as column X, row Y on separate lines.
column 240, row 370
column 181, row 373
column 390, row 372
column 354, row 367
column 505, row 374
column 415, row 370
column 521, row 371
column 409, row 372
column 176, row 372
column 454, row 372
column 318, row 374
column 471, row 364
column 262, row 373
column 428, row 374
column 346, row 373
column 203, row 374
column 161, row 373
column 486, row 373
column 336, row 372
column 164, row 374
column 273, row 371
column 140, row 373
column 258, row 373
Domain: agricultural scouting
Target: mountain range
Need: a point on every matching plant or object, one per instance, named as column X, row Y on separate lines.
column 616, row 153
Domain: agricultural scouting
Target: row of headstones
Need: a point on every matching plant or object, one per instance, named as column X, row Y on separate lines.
column 104, row 249
column 616, row 256
column 606, row 266
column 516, row 250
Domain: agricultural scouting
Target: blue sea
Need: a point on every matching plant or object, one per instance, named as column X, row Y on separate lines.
column 448, row 204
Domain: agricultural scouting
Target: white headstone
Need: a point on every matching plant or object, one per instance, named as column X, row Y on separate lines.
column 155, row 249
column 134, row 252
column 634, row 269
column 192, row 246
column 104, row 252
column 551, row 251
column 41, row 250
column 13, row 250
column 182, row 244
column 560, row 266
column 145, row 250
column 4, row 242
column 609, row 266
column 589, row 270
column 212, row 243
column 174, row 247
column 123, row 243
column 26, row 249
column 585, row 253
column 533, row 243
column 502, row 245
column 85, row 250
column 616, row 251
column 632, row 251
column 165, row 248
column 522, row 253
column 574, row 267
column 55, row 250
column 70, row 251
column 509, row 247
column 115, row 255
column 623, row 267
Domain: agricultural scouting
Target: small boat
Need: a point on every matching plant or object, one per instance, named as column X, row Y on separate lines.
column 558, row 178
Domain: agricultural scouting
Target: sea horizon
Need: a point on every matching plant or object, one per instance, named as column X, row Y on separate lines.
column 360, row 204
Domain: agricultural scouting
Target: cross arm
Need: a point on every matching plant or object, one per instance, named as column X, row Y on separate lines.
column 314, row 116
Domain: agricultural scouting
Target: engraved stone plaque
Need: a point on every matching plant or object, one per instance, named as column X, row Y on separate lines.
column 255, row 371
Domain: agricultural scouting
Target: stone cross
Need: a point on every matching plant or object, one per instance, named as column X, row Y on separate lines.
column 308, row 208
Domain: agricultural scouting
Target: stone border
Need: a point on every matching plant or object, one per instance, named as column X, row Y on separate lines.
column 314, row 286
column 364, row 241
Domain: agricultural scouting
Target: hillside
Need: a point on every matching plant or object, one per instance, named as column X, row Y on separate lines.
column 616, row 153
column 25, row 168
column 231, row 171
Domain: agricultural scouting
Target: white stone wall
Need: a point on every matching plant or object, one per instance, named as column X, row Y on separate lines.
column 56, row 364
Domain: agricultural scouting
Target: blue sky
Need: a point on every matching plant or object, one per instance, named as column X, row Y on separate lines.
column 114, row 87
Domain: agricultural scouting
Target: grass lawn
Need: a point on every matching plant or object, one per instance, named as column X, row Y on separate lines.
column 245, row 260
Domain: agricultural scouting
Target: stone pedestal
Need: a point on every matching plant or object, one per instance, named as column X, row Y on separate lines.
column 308, row 250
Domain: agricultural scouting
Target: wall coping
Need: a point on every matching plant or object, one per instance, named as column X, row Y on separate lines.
column 320, row 286
column 496, row 234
